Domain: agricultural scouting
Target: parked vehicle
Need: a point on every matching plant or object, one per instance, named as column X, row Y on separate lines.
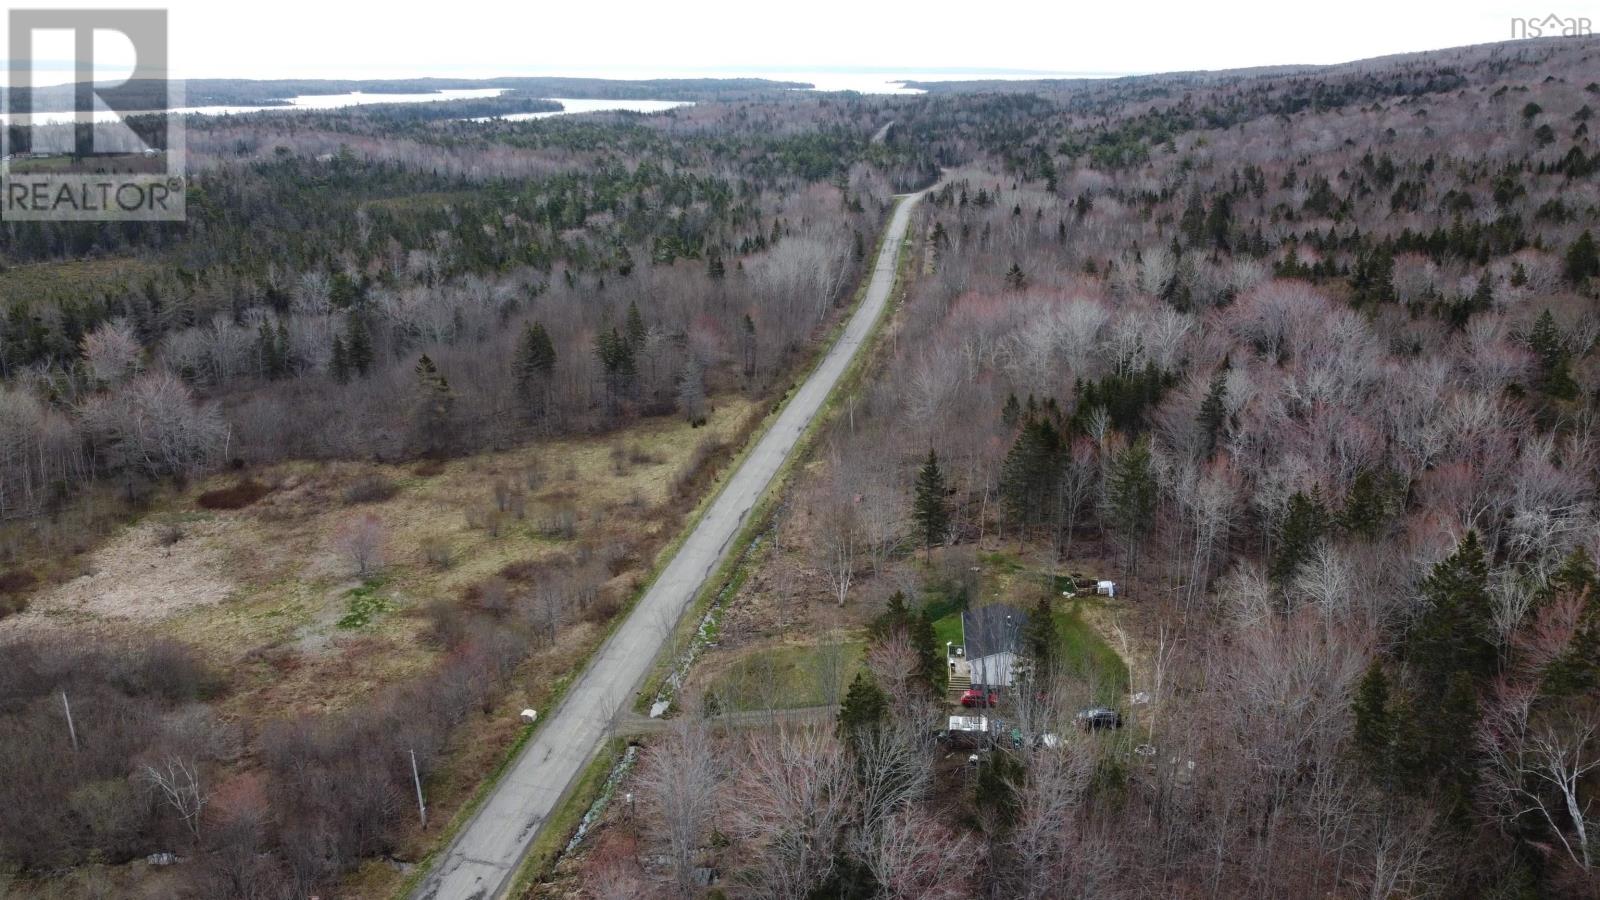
column 1098, row 717
column 977, row 697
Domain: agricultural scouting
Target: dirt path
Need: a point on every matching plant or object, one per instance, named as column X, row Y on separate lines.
column 484, row 857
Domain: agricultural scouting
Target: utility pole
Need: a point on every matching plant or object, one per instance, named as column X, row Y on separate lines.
column 422, row 808
column 71, row 729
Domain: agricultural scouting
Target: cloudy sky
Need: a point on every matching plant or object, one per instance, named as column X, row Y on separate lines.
column 623, row 38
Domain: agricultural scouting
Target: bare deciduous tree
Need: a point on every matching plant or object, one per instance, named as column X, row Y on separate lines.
column 363, row 540
column 678, row 782
column 177, row 781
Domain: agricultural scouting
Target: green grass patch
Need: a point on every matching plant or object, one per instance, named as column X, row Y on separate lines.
column 1085, row 655
column 948, row 630
column 1001, row 562
column 363, row 604
column 782, row 678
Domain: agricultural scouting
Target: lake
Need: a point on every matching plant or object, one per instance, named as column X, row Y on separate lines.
column 572, row 106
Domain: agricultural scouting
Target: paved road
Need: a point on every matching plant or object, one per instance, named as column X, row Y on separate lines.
column 485, row 854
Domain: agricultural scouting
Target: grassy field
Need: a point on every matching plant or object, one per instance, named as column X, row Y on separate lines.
column 268, row 596
column 783, row 677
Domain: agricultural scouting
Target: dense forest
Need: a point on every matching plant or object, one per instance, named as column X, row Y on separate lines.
column 1305, row 359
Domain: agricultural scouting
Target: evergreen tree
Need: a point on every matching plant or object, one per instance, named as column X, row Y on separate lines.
column 1132, row 496
column 1040, row 642
column 616, row 358
column 533, row 365
column 1583, row 261
column 1576, row 671
column 917, row 627
column 339, row 366
column 1219, row 221
column 1016, row 279
column 1548, row 345
column 1303, row 527
column 435, row 402
column 1011, row 411
column 635, row 328
column 358, row 346
column 1028, row 473
column 1367, row 508
column 272, row 347
column 929, row 506
column 1545, row 341
column 714, row 265
column 1213, row 413
column 864, row 709
column 1193, row 222
column 1374, row 727
column 1453, row 634
column 747, row 340
column 997, row 789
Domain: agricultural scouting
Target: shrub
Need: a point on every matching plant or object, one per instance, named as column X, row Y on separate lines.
column 372, row 488
column 237, row 496
column 168, row 533
column 16, row 581
column 438, row 552
column 560, row 524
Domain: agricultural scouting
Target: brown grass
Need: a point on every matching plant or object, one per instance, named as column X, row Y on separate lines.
column 258, row 590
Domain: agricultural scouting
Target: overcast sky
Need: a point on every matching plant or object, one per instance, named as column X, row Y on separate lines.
column 334, row 38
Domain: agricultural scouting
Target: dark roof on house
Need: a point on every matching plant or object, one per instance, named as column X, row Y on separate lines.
column 995, row 628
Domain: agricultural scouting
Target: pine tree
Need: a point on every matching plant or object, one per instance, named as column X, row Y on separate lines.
column 929, row 506
column 1548, row 345
column 1583, row 261
column 635, row 328
column 1011, row 411
column 1576, row 672
column 997, row 789
column 358, row 346
column 435, row 402
column 865, row 707
column 339, row 366
column 1213, row 414
column 1193, row 222
column 1453, row 634
column 534, row 363
column 1040, row 641
column 616, row 357
column 747, row 340
column 1028, row 473
column 1016, row 279
column 1132, row 496
column 272, row 349
column 1374, row 727
column 1545, row 341
column 1303, row 527
column 1219, row 221
column 1367, row 508
column 714, row 265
